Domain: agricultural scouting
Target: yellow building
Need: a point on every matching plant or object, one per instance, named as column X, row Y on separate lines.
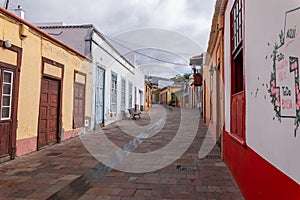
column 148, row 95
column 46, row 88
column 166, row 93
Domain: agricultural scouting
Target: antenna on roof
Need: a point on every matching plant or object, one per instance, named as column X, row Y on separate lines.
column 6, row 4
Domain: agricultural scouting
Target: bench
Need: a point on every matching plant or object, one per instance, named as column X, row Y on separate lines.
column 133, row 113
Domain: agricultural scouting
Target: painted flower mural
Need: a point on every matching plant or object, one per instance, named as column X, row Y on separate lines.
column 284, row 84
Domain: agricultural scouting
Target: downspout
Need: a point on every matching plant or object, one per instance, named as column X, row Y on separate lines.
column 222, row 69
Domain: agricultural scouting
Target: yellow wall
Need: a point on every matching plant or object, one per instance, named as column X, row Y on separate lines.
column 8, row 57
column 169, row 91
column 162, row 95
column 71, row 63
column 148, row 97
column 34, row 47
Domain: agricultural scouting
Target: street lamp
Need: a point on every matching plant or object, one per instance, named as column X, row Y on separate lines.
column 211, row 72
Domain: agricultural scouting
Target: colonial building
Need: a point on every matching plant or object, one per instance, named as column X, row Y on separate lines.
column 148, row 94
column 213, row 76
column 117, row 84
column 167, row 94
column 45, row 96
column 261, row 94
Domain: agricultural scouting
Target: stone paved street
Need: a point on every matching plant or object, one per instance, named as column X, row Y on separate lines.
column 69, row 171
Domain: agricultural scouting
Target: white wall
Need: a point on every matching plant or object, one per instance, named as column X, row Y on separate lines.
column 105, row 56
column 140, row 86
column 227, row 75
column 112, row 62
column 272, row 139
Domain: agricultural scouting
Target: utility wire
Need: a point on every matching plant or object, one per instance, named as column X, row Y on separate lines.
column 145, row 55
column 139, row 45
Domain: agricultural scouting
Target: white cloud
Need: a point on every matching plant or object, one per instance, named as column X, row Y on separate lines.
column 189, row 17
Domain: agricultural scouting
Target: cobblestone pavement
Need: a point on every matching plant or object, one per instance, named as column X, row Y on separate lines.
column 69, row 171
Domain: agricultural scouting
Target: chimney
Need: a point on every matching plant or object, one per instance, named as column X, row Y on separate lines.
column 20, row 12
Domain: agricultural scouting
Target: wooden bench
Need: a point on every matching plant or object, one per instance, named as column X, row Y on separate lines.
column 133, row 113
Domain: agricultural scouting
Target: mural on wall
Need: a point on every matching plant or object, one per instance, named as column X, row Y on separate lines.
column 284, row 84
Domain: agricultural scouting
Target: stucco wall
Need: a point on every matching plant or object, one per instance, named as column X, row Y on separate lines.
column 34, row 47
column 274, row 137
column 106, row 57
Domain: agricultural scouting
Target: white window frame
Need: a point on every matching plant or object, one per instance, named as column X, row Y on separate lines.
column 114, row 92
column 7, row 95
column 130, row 96
column 123, row 94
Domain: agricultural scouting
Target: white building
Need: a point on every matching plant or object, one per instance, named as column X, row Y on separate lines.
column 262, row 95
column 117, row 84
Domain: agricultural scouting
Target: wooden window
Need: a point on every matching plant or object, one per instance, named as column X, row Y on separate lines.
column 123, row 95
column 7, row 86
column 237, row 73
column 130, row 94
column 79, row 100
column 114, row 92
column 237, row 17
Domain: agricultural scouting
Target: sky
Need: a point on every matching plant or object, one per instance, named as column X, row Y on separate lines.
column 178, row 28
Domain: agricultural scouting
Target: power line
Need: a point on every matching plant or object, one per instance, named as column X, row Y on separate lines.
column 139, row 46
column 145, row 55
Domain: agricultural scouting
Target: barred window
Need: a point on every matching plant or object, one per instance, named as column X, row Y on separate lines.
column 237, row 21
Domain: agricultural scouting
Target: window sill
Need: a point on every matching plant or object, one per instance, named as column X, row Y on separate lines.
column 239, row 140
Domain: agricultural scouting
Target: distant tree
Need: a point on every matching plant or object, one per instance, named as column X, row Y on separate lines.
column 186, row 76
column 180, row 78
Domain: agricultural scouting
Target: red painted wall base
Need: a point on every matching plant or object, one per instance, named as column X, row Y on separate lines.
column 256, row 177
column 25, row 146
column 72, row 133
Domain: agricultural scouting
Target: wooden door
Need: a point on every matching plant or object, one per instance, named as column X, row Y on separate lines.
column 7, row 85
column 49, row 109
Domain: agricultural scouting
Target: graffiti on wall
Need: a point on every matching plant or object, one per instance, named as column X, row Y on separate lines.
column 284, row 84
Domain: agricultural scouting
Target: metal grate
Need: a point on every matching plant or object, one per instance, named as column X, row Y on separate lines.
column 213, row 157
column 186, row 168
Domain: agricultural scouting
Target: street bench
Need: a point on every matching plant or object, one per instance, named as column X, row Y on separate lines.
column 134, row 113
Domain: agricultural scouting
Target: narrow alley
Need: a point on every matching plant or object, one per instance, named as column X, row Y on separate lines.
column 149, row 99
column 69, row 171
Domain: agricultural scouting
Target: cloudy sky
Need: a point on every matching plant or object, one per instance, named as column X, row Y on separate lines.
column 187, row 21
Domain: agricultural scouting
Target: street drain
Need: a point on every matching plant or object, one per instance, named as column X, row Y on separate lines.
column 186, row 168
column 53, row 154
column 213, row 157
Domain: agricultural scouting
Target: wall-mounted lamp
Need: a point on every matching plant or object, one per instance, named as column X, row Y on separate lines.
column 212, row 69
column 7, row 44
column 211, row 72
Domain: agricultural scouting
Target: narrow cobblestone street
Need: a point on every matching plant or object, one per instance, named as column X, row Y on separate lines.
column 69, row 171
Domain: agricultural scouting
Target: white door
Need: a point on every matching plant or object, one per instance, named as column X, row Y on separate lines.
column 100, row 77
